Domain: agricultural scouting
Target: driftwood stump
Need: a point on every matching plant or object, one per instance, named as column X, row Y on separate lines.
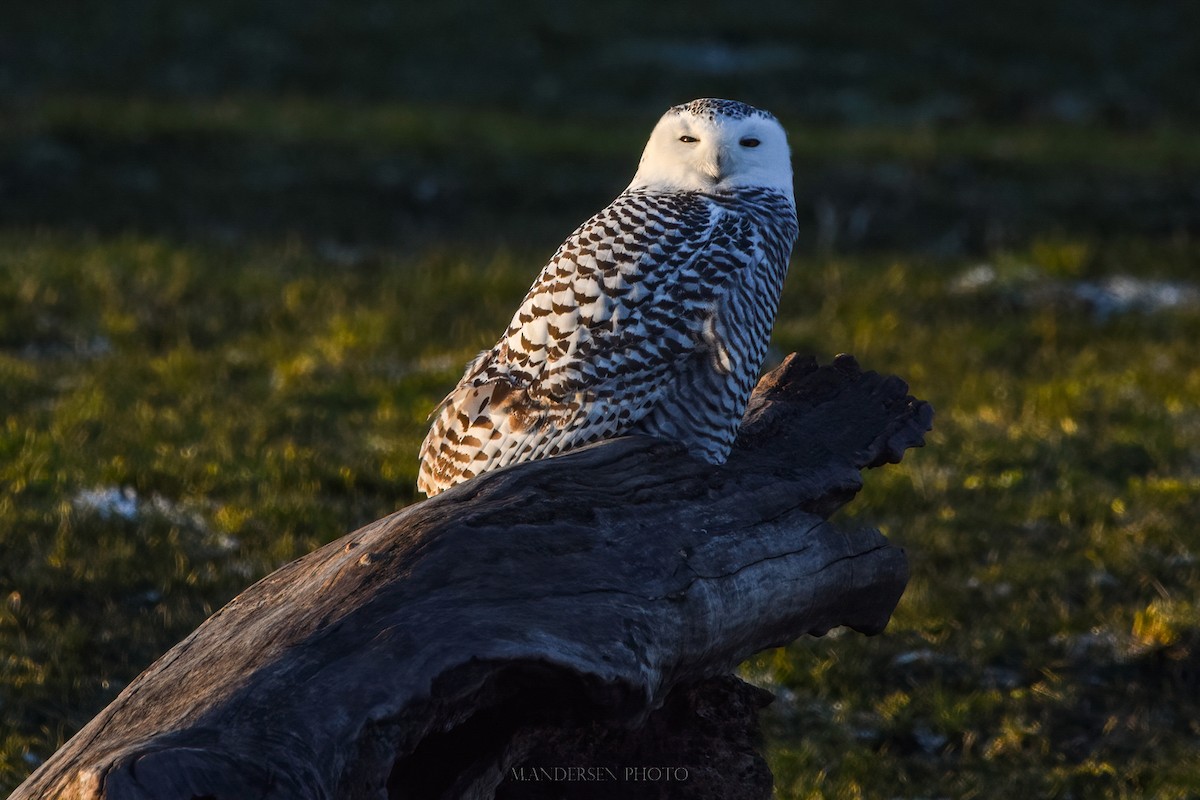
column 506, row 637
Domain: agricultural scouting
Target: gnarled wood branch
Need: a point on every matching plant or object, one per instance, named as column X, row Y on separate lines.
column 532, row 612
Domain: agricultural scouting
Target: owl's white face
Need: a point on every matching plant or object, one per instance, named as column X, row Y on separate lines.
column 712, row 145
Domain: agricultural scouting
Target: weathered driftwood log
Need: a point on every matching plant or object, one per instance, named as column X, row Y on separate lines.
column 541, row 612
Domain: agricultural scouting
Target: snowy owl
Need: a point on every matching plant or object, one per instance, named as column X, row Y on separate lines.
column 652, row 317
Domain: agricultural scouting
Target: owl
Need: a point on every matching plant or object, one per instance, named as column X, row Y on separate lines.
column 653, row 317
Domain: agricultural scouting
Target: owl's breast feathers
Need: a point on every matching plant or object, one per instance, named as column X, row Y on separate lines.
column 657, row 297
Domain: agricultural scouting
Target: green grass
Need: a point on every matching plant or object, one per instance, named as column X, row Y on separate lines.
column 244, row 250
column 260, row 402
column 1047, row 643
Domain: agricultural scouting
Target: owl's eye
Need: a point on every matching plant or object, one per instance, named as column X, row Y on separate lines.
column 688, row 139
column 749, row 141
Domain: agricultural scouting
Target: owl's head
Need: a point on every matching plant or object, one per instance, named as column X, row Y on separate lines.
column 711, row 145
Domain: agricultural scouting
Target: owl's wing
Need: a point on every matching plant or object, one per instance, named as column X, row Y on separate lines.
column 602, row 333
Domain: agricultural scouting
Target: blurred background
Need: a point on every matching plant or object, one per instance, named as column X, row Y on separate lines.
column 245, row 247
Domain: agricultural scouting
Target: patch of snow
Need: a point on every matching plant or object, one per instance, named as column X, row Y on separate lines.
column 1124, row 293
column 1103, row 298
column 977, row 277
column 80, row 347
column 913, row 657
column 123, row 502
column 108, row 503
column 177, row 514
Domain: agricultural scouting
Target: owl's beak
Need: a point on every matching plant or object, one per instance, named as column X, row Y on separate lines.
column 715, row 166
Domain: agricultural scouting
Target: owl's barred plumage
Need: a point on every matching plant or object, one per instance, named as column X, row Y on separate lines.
column 652, row 317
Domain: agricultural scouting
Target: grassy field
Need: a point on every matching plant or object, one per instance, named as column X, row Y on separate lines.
column 244, row 249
